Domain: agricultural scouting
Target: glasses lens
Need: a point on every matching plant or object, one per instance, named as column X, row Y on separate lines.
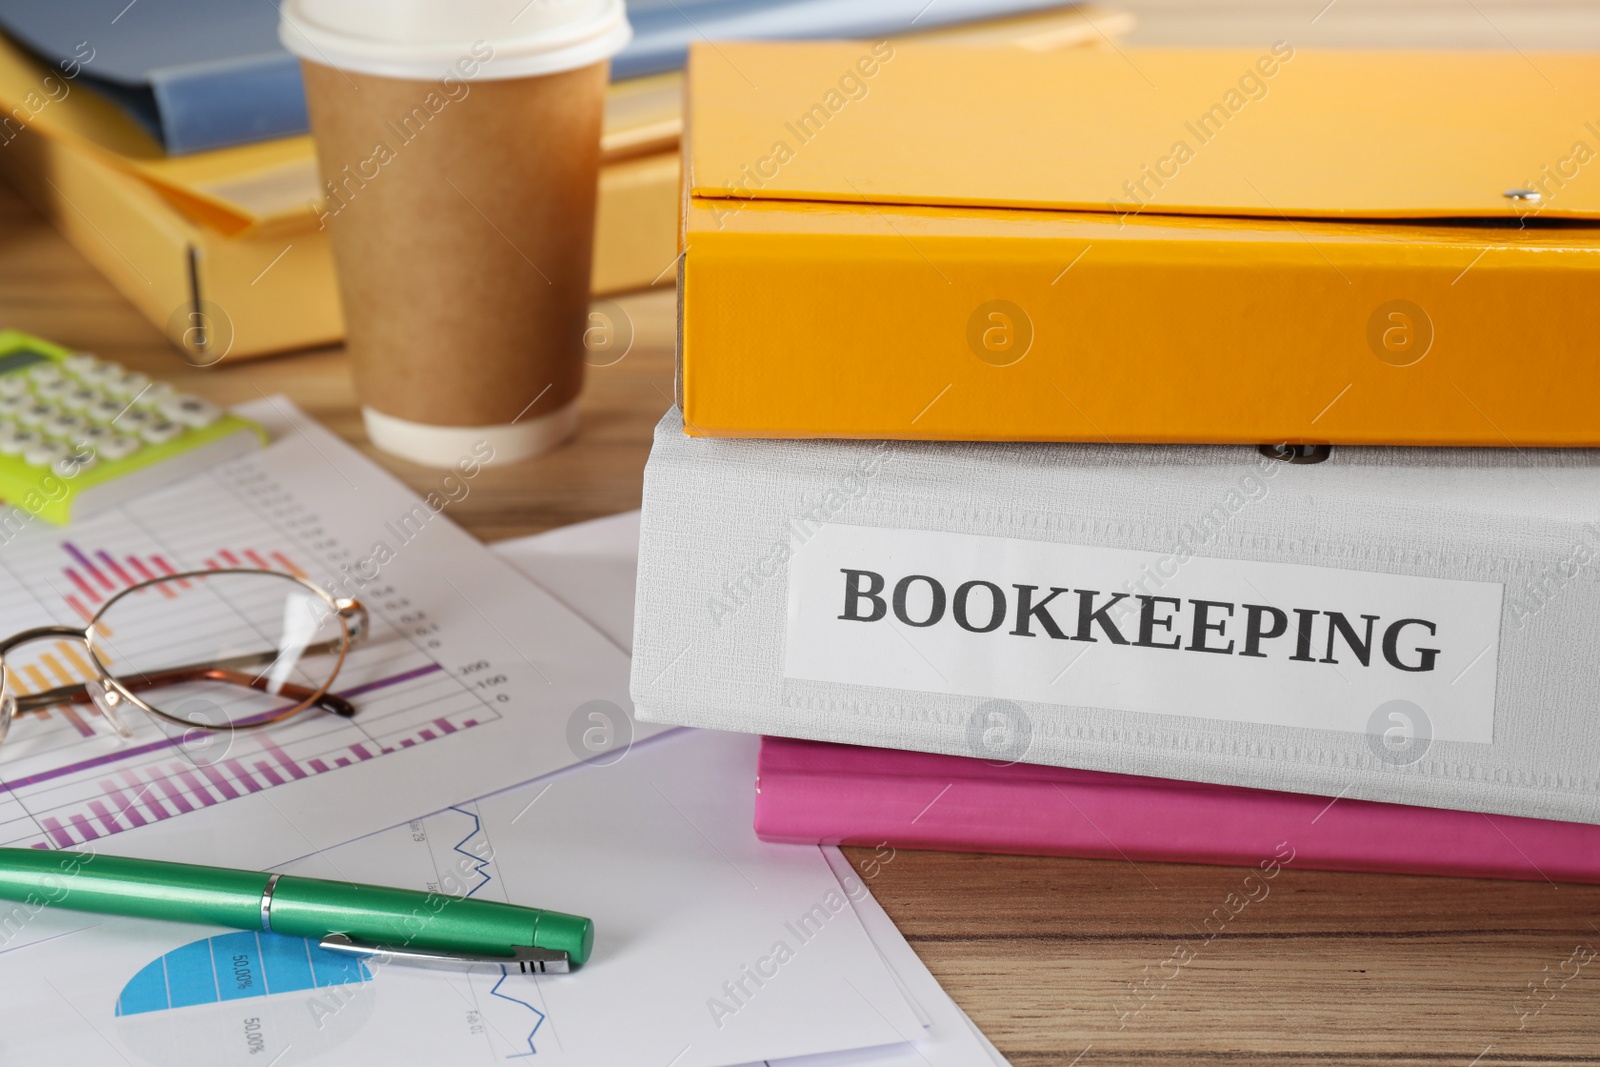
column 221, row 650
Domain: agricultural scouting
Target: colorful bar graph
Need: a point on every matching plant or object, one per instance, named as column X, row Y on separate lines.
column 198, row 790
column 242, row 776
column 125, row 806
column 57, row 670
column 144, row 782
column 181, row 785
column 106, row 818
column 167, row 569
column 98, row 573
column 122, row 755
column 115, row 568
column 67, row 666
column 282, row 757
column 151, row 804
column 89, row 568
column 215, row 777
column 75, row 657
column 82, row 586
column 173, row 793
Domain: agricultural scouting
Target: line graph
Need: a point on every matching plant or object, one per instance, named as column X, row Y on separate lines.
column 477, row 861
column 67, row 780
column 495, row 992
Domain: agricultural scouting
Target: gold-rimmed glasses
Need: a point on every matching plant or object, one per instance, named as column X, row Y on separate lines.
column 215, row 650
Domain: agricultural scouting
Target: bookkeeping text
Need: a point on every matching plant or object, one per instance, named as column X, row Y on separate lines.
column 1219, row 627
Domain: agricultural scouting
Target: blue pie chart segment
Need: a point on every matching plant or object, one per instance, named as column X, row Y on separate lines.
column 234, row 967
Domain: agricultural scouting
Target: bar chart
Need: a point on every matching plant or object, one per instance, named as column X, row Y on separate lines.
column 67, row 780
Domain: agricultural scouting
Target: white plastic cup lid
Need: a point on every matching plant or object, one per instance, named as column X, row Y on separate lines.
column 424, row 40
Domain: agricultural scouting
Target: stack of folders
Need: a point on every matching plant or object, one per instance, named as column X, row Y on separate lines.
column 176, row 157
column 1179, row 477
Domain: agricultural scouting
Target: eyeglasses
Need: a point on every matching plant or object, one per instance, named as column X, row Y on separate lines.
column 215, row 650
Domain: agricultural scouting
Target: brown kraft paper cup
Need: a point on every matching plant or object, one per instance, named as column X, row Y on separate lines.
column 462, row 222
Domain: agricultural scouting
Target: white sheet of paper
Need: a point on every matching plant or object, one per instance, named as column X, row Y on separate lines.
column 591, row 566
column 473, row 678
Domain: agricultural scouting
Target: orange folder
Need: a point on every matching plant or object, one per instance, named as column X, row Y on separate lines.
column 1243, row 246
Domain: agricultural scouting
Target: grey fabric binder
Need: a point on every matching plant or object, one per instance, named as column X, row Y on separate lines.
column 1409, row 625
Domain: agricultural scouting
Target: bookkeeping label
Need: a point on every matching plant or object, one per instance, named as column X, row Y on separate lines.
column 1275, row 643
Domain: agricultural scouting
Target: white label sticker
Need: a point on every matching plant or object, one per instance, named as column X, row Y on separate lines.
column 1276, row 643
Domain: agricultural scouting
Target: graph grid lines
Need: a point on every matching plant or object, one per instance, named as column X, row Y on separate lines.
column 64, row 782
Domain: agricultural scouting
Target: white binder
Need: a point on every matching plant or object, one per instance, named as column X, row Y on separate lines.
column 1400, row 624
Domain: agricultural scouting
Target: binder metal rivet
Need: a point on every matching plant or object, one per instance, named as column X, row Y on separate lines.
column 1297, row 453
column 1532, row 196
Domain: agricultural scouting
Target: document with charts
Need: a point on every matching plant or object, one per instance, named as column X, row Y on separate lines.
column 690, row 909
column 675, row 818
column 472, row 678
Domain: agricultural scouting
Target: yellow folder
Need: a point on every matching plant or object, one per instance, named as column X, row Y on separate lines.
column 1271, row 245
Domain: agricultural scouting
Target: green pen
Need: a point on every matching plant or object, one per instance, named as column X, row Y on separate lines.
column 399, row 925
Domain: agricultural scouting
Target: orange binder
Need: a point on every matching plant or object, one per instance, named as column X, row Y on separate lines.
column 1154, row 245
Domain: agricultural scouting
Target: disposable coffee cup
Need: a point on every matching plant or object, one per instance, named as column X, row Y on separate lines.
column 459, row 147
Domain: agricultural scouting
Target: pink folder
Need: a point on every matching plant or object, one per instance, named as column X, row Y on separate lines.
column 813, row 792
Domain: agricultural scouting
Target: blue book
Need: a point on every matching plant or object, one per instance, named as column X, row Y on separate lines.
column 662, row 29
column 196, row 74
column 201, row 74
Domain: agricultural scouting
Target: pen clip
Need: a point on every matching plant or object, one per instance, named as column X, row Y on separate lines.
column 525, row 958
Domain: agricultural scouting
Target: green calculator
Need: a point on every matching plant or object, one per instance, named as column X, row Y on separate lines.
column 80, row 435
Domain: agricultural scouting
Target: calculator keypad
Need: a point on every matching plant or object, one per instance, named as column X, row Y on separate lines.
column 71, row 415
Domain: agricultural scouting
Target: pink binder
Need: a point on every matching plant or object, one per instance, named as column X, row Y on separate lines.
column 813, row 792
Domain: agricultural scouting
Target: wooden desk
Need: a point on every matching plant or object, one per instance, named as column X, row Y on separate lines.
column 1050, row 957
